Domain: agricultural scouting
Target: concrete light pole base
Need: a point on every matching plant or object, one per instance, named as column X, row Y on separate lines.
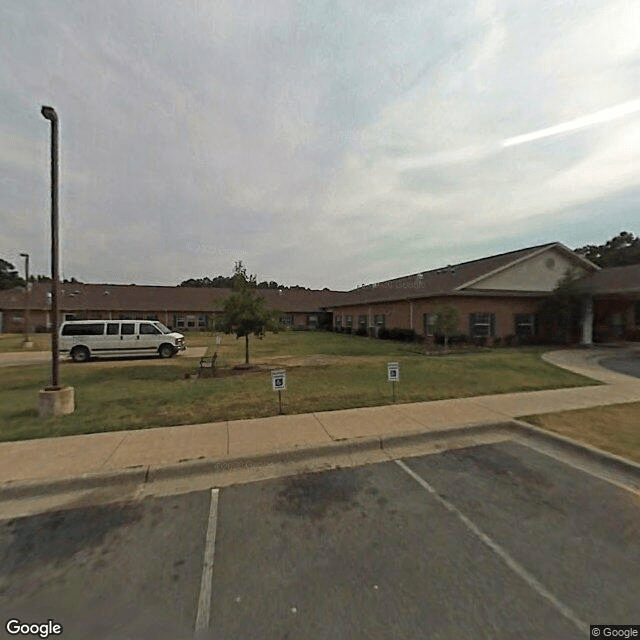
column 56, row 402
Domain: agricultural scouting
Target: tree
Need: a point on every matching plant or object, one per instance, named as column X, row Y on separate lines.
column 9, row 277
column 244, row 312
column 563, row 307
column 446, row 322
column 620, row 251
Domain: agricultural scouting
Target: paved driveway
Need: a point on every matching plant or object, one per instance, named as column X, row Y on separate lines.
column 627, row 362
column 495, row 541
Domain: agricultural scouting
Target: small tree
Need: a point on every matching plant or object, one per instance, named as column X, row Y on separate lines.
column 564, row 305
column 243, row 312
column 446, row 322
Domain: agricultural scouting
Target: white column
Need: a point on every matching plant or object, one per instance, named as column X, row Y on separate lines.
column 411, row 315
column 587, row 322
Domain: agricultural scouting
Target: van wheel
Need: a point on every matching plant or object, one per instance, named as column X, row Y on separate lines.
column 80, row 354
column 165, row 351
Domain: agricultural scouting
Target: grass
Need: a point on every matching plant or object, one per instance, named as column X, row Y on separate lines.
column 137, row 394
column 13, row 342
column 613, row 428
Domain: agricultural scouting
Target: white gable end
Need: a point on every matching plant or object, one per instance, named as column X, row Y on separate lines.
column 539, row 273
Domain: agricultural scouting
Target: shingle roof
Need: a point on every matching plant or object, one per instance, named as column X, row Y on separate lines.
column 441, row 281
column 613, row 280
column 104, row 297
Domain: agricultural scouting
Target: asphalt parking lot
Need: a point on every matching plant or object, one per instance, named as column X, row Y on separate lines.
column 494, row 541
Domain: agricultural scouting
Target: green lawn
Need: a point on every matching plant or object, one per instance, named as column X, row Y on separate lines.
column 614, row 428
column 13, row 342
column 112, row 396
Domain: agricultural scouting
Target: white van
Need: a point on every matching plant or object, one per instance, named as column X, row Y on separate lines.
column 83, row 339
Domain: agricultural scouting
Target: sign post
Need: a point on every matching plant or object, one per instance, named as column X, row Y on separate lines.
column 279, row 383
column 393, row 375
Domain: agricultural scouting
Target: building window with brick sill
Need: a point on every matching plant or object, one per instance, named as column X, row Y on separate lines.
column 482, row 325
column 429, row 321
column 524, row 324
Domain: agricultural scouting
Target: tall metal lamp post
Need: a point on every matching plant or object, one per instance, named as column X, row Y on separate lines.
column 50, row 114
column 27, row 342
column 54, row 400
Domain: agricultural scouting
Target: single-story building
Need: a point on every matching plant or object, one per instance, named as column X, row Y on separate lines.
column 181, row 308
column 497, row 297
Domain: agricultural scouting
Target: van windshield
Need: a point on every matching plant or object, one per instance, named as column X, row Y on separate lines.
column 162, row 327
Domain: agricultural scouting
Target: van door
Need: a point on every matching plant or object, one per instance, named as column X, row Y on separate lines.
column 128, row 336
column 150, row 336
column 112, row 337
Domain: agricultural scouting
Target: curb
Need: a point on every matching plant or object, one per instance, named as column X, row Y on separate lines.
column 569, row 445
column 189, row 468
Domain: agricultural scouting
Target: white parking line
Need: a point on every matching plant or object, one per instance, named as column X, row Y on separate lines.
column 499, row 551
column 204, row 601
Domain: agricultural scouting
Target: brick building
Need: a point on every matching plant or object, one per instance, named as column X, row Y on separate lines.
column 496, row 297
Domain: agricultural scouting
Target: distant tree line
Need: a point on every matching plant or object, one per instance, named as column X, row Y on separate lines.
column 240, row 273
column 620, row 251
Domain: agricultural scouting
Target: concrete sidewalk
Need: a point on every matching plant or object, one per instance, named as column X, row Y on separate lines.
column 49, row 459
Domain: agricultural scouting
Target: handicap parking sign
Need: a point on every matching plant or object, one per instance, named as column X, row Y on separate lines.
column 394, row 371
column 279, row 380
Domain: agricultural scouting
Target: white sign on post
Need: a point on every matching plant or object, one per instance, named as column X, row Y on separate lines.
column 218, row 341
column 279, row 380
column 393, row 369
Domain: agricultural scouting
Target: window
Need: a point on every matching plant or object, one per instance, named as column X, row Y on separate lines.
column 127, row 328
column 313, row 321
column 482, row 325
column 339, row 322
column 362, row 322
column 286, row 321
column 202, row 320
column 191, row 321
column 178, row 321
column 524, row 324
column 93, row 329
column 378, row 321
column 151, row 317
column 112, row 328
column 349, row 322
column 71, row 316
column 147, row 329
column 429, row 321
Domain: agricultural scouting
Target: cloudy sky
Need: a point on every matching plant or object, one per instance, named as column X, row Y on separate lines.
column 322, row 143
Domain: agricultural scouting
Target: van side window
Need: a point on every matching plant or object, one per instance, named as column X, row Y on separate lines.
column 96, row 329
column 112, row 328
column 148, row 329
column 127, row 328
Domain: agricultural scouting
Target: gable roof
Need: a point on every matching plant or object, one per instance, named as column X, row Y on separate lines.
column 452, row 279
column 106, row 297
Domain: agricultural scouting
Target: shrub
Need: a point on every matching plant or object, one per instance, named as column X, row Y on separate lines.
column 384, row 334
column 406, row 335
column 361, row 331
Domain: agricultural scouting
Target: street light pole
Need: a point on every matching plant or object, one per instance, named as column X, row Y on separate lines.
column 49, row 114
column 28, row 297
